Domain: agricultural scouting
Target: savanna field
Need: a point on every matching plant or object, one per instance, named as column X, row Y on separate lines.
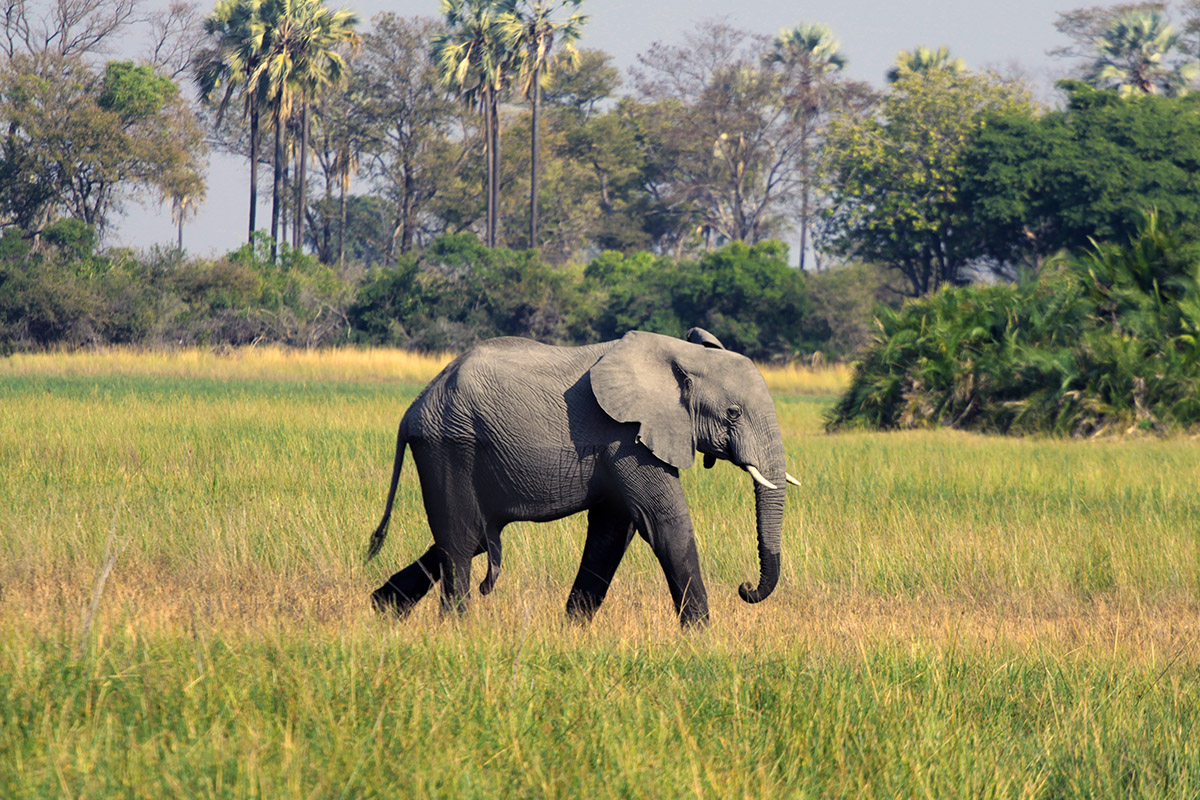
column 184, row 608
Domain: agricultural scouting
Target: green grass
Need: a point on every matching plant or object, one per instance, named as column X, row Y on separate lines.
column 959, row 615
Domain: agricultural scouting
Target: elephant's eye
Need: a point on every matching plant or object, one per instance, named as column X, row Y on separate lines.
column 732, row 413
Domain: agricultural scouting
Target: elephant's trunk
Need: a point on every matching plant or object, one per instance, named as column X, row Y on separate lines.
column 769, row 517
column 769, row 508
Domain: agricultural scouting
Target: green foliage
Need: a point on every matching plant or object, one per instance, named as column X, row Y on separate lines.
column 843, row 302
column 1039, row 184
column 460, row 291
column 77, row 141
column 74, row 238
column 451, row 295
column 134, row 92
column 897, row 175
column 746, row 295
column 1104, row 339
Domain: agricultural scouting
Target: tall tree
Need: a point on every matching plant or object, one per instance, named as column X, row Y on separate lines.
column 301, row 57
column 896, row 176
column 232, row 63
column 1132, row 55
column 473, row 58
column 1085, row 26
column 338, row 139
column 722, row 142
column 79, row 143
column 65, row 28
column 533, row 33
column 809, row 58
column 922, row 61
column 1038, row 184
column 408, row 119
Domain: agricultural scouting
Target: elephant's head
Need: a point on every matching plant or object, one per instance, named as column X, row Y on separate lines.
column 695, row 395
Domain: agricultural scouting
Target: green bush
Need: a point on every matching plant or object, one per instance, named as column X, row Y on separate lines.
column 460, row 291
column 746, row 295
column 1108, row 338
column 456, row 292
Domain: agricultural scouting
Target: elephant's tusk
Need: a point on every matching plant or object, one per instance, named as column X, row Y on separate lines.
column 791, row 479
column 758, row 477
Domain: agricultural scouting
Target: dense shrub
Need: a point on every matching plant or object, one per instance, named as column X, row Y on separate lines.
column 745, row 295
column 1109, row 338
column 459, row 291
column 60, row 292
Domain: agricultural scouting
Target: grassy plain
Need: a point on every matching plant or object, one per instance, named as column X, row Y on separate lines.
column 959, row 615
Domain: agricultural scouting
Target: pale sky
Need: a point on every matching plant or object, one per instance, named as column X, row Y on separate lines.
column 985, row 34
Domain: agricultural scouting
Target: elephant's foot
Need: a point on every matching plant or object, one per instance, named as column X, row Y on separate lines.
column 581, row 607
column 385, row 601
column 694, row 616
column 406, row 588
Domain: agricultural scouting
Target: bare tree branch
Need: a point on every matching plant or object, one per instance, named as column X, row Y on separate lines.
column 68, row 28
column 175, row 33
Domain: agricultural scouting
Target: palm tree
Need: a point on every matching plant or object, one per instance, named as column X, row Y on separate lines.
column 808, row 55
column 532, row 34
column 231, row 63
column 472, row 58
column 345, row 165
column 301, row 59
column 922, row 61
column 1131, row 56
column 186, row 197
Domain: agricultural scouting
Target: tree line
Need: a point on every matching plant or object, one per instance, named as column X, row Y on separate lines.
column 492, row 121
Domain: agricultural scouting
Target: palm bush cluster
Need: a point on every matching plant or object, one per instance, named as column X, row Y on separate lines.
column 1109, row 339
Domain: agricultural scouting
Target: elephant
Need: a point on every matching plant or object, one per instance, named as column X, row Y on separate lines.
column 515, row 430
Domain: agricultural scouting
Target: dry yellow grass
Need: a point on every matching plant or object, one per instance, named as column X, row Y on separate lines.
column 334, row 364
column 141, row 601
column 257, row 363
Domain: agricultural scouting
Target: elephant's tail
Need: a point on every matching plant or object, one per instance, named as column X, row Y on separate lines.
column 381, row 532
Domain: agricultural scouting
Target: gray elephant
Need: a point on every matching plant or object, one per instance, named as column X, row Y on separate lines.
column 517, row 430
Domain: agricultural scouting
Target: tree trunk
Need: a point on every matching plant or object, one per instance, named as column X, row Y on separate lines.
column 489, row 150
column 301, row 174
column 253, row 166
column 277, row 183
column 285, row 217
column 496, row 163
column 804, row 192
column 326, row 230
column 342, row 222
column 534, row 164
column 406, row 232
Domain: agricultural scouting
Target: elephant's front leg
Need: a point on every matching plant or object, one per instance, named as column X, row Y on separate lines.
column 660, row 511
column 609, row 532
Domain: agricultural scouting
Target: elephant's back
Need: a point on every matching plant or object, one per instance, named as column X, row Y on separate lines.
column 518, row 384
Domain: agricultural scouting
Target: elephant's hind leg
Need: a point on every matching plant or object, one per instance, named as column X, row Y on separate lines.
column 608, row 536
column 404, row 589
column 493, row 562
column 461, row 533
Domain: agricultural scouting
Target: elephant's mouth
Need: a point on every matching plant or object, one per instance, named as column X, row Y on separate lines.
column 710, row 461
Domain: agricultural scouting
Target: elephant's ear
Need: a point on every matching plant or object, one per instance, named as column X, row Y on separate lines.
column 701, row 336
column 639, row 380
